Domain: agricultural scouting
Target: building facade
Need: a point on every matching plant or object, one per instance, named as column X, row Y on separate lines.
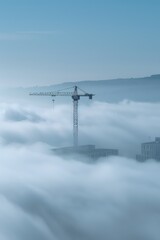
column 150, row 150
column 89, row 151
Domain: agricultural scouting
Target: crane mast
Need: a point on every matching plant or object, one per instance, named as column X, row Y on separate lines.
column 76, row 97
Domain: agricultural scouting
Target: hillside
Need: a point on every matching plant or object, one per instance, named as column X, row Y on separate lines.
column 145, row 89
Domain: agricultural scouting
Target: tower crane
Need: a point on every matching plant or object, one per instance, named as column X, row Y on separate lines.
column 75, row 95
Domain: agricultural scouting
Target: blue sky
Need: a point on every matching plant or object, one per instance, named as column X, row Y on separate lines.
column 43, row 42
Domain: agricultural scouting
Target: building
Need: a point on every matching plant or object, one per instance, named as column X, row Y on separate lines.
column 89, row 151
column 150, row 150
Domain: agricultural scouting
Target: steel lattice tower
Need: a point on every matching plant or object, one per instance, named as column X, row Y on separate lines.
column 76, row 97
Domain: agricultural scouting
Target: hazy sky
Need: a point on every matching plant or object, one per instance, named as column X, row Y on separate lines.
column 49, row 41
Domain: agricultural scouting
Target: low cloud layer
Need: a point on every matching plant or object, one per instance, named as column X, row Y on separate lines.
column 46, row 197
column 123, row 126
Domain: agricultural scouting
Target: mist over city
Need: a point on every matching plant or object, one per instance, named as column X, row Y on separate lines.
column 79, row 120
column 45, row 196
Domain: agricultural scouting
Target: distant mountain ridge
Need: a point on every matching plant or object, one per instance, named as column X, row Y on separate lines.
column 116, row 80
column 144, row 89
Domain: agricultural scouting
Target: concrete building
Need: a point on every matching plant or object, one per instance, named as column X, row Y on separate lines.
column 150, row 150
column 89, row 151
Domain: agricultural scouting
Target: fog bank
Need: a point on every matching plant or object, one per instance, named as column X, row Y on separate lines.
column 46, row 197
column 123, row 126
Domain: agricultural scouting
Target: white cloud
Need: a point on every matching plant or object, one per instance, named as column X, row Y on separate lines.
column 46, row 197
column 38, row 32
column 123, row 126
column 24, row 35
